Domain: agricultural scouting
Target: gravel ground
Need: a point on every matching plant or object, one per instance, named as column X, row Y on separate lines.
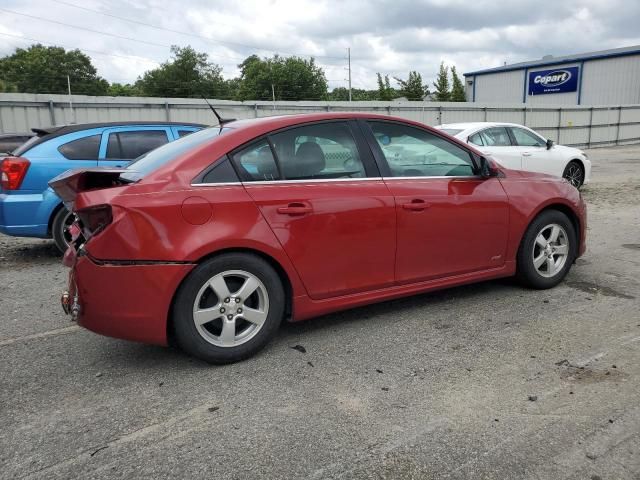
column 482, row 381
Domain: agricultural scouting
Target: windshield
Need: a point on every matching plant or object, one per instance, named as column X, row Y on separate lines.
column 451, row 131
column 147, row 163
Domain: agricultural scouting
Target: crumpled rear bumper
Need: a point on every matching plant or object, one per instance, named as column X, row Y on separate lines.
column 128, row 301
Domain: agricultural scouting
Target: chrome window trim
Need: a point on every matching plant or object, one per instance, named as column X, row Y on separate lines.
column 329, row 180
column 217, row 184
column 432, row 177
column 313, row 180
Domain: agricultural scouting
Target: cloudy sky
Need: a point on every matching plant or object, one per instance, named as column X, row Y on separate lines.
column 387, row 36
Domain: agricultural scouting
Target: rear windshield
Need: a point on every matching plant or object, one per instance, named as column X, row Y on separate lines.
column 451, row 131
column 147, row 163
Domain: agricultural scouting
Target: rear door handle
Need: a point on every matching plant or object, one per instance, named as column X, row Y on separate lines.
column 295, row 209
column 416, row 205
column 526, row 154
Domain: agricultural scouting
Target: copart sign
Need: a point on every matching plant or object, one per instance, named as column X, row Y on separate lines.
column 559, row 80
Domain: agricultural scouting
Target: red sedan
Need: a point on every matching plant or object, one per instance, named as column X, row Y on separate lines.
column 213, row 239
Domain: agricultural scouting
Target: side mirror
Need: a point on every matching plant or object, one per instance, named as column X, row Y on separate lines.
column 549, row 144
column 485, row 168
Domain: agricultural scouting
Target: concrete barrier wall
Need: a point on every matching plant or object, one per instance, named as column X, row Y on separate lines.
column 579, row 125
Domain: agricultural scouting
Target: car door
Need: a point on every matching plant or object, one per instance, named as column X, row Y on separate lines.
column 496, row 142
column 450, row 221
column 536, row 157
column 123, row 144
column 322, row 195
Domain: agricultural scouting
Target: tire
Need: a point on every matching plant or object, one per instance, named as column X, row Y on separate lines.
column 542, row 262
column 211, row 315
column 574, row 173
column 59, row 228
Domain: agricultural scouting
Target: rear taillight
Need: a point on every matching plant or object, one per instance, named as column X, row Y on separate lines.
column 12, row 172
column 94, row 219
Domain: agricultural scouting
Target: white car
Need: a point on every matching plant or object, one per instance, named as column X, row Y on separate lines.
column 520, row 148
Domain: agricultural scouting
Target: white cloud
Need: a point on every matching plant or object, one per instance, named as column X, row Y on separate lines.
column 387, row 36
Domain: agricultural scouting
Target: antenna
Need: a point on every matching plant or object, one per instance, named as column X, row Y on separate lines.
column 221, row 121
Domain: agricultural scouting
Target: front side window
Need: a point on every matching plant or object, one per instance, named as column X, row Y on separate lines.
column 525, row 138
column 131, row 144
column 85, row 148
column 413, row 152
column 493, row 137
column 320, row 151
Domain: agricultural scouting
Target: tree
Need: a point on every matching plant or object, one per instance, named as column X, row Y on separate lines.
column 457, row 88
column 189, row 74
column 412, row 88
column 385, row 92
column 442, row 93
column 123, row 90
column 357, row 94
column 40, row 69
column 286, row 78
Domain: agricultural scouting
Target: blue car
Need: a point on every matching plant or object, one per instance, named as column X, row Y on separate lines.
column 29, row 208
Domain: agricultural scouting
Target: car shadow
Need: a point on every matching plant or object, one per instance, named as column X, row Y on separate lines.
column 21, row 251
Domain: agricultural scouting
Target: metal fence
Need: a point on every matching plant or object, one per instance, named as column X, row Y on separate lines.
column 577, row 125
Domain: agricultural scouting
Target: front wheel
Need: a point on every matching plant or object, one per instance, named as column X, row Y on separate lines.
column 228, row 308
column 547, row 250
column 60, row 228
column 574, row 174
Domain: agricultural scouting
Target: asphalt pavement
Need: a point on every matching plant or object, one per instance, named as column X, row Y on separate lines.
column 481, row 382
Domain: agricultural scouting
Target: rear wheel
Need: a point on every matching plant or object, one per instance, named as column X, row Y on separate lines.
column 547, row 250
column 60, row 228
column 228, row 308
column 574, row 174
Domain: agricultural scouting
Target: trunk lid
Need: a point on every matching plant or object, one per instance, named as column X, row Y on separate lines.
column 72, row 182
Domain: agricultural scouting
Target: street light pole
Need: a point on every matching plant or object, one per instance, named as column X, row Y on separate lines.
column 349, row 66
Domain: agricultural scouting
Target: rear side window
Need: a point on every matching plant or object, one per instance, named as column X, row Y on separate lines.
column 132, row 144
column 256, row 163
column 320, row 151
column 184, row 133
column 85, row 148
column 476, row 139
column 222, row 172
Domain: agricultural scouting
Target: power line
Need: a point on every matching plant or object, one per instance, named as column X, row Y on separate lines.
column 195, row 35
column 103, row 33
column 20, row 37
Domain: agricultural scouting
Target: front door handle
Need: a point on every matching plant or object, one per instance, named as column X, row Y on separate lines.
column 526, row 154
column 295, row 209
column 416, row 205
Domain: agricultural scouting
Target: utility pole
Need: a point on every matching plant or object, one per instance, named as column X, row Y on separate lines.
column 349, row 67
column 273, row 95
column 73, row 120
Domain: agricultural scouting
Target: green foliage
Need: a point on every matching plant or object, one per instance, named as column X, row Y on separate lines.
column 188, row 74
column 441, row 85
column 40, row 69
column 357, row 94
column 123, row 90
column 412, row 88
column 385, row 92
column 457, row 88
column 290, row 78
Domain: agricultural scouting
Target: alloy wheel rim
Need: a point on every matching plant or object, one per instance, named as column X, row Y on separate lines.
column 66, row 227
column 574, row 175
column 550, row 250
column 230, row 308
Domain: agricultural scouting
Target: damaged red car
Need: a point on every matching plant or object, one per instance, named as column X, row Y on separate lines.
column 212, row 240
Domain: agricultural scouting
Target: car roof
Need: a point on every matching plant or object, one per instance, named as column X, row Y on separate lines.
column 58, row 130
column 476, row 125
